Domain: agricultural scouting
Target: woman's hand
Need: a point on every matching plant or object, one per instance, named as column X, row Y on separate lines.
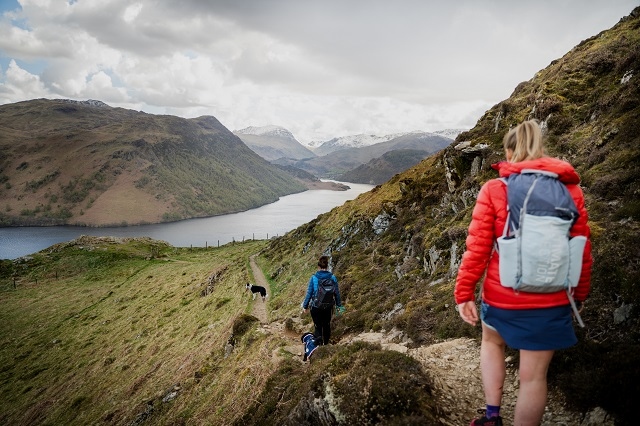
column 468, row 312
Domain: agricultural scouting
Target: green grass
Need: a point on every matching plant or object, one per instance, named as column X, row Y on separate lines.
column 116, row 329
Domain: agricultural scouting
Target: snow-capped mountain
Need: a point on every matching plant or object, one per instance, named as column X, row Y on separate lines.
column 362, row 140
column 344, row 159
column 273, row 142
column 275, row 131
column 450, row 133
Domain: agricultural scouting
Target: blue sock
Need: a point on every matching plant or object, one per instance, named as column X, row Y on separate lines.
column 492, row 411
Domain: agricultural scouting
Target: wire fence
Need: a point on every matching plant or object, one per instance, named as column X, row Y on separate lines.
column 14, row 282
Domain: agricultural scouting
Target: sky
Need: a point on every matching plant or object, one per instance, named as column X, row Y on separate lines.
column 321, row 68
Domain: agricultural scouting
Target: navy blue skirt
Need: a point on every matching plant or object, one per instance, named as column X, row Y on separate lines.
column 532, row 329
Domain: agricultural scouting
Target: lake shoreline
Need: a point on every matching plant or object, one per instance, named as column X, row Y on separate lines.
column 325, row 184
column 265, row 222
column 44, row 223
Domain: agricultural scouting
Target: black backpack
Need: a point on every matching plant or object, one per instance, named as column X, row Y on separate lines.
column 324, row 298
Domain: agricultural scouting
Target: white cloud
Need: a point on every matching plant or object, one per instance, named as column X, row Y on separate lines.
column 99, row 86
column 321, row 69
column 132, row 12
column 19, row 84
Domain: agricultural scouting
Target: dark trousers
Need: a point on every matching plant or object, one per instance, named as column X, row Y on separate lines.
column 322, row 322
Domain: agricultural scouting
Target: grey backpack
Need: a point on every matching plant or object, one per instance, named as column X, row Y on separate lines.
column 536, row 253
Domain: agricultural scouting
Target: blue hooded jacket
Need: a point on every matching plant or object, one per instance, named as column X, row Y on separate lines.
column 312, row 287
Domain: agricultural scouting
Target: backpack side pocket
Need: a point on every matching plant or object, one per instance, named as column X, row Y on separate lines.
column 508, row 261
column 576, row 251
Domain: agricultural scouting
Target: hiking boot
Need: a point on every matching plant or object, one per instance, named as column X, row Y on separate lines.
column 486, row 421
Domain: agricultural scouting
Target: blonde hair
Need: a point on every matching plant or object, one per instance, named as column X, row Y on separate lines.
column 525, row 141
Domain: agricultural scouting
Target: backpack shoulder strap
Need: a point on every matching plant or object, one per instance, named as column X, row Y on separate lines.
column 505, row 230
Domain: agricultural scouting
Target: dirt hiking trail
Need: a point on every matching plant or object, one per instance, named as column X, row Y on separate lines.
column 453, row 365
column 259, row 308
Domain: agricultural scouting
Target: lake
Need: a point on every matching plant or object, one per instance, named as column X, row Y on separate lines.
column 264, row 222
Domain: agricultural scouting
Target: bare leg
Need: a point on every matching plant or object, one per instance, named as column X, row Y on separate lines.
column 532, row 395
column 492, row 365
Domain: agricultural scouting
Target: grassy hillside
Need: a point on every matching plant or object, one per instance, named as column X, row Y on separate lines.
column 85, row 163
column 102, row 330
column 133, row 331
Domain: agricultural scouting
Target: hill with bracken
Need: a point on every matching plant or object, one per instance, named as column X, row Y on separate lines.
column 86, row 163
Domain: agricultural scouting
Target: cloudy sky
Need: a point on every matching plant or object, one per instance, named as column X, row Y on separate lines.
column 321, row 68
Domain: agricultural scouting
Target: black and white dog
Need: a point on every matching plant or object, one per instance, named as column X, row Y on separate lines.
column 255, row 289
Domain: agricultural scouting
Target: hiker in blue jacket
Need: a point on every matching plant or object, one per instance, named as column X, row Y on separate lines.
column 321, row 313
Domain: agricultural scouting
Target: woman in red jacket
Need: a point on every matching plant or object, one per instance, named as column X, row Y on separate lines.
column 536, row 324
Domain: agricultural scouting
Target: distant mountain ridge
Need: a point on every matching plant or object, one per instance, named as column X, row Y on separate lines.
column 341, row 161
column 86, row 163
column 88, row 102
column 354, row 158
column 321, row 148
column 271, row 130
column 273, row 143
column 450, row 133
column 352, row 141
column 379, row 170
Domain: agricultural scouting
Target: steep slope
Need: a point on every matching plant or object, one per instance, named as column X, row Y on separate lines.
column 71, row 162
column 396, row 250
column 336, row 163
column 273, row 142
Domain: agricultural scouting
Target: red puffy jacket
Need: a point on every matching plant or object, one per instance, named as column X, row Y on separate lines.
column 487, row 224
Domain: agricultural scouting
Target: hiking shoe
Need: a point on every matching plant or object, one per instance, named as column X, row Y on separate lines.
column 486, row 421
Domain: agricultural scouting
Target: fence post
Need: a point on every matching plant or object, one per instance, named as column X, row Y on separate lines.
column 206, row 244
column 218, row 243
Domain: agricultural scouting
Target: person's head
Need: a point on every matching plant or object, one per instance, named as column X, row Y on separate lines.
column 524, row 142
column 323, row 262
